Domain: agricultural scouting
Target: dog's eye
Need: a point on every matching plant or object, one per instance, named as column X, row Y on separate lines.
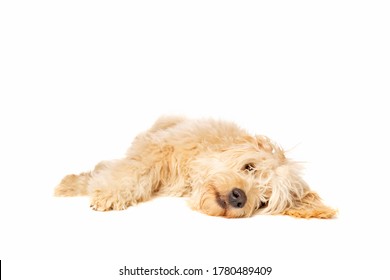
column 249, row 167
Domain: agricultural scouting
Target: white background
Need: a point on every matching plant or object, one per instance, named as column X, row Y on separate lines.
column 79, row 79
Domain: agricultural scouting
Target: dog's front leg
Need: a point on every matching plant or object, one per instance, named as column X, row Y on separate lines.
column 120, row 184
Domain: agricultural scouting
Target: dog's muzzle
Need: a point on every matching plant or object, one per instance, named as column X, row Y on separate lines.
column 237, row 198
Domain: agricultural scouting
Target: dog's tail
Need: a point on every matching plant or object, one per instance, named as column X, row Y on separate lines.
column 77, row 185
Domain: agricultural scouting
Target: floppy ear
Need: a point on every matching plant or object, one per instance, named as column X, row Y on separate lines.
column 310, row 206
column 289, row 190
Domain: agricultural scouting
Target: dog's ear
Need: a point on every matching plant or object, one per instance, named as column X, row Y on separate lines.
column 310, row 206
column 289, row 191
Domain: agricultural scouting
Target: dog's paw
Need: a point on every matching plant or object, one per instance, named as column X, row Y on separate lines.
column 106, row 200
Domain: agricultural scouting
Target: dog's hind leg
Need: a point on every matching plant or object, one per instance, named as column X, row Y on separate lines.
column 73, row 185
column 76, row 185
column 121, row 184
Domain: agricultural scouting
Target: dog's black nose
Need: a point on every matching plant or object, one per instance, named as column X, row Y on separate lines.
column 237, row 198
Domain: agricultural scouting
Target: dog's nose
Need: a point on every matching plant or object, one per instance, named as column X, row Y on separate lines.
column 237, row 198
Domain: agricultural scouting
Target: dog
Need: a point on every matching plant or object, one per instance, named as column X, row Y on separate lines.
column 223, row 170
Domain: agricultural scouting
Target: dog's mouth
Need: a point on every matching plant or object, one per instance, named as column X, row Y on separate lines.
column 262, row 205
column 221, row 202
column 224, row 205
column 234, row 204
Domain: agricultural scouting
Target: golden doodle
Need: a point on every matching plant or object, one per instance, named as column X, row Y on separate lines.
column 223, row 170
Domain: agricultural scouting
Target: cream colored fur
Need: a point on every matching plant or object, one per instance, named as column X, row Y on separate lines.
column 204, row 160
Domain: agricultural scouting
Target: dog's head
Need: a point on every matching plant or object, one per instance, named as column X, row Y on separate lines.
column 252, row 176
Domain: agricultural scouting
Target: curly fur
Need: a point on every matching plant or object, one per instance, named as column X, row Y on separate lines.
column 203, row 160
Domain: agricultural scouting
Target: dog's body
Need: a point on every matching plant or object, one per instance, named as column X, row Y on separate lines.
column 221, row 168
